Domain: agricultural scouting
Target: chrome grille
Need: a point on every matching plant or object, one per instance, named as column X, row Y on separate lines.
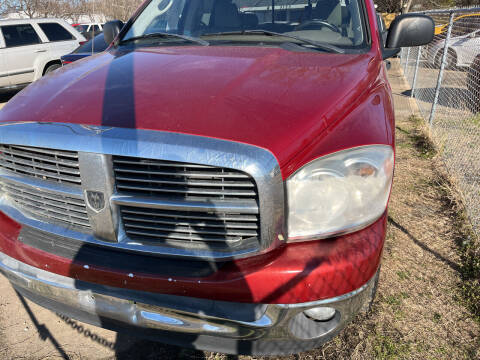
column 173, row 226
column 157, row 177
column 46, row 164
column 246, row 181
column 180, row 183
column 46, row 205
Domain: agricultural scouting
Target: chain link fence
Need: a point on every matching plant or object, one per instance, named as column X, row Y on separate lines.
column 445, row 81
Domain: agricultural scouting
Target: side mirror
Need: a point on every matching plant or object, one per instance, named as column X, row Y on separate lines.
column 410, row 30
column 111, row 29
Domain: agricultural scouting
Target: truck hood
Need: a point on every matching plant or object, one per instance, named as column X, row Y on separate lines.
column 269, row 97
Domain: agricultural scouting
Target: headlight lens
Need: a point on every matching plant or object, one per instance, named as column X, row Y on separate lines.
column 339, row 193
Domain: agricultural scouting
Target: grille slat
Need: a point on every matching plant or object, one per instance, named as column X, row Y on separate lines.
column 42, row 167
column 189, row 190
column 48, row 206
column 191, row 229
column 192, row 174
column 38, row 173
column 187, row 182
column 32, row 155
column 192, row 222
column 153, row 181
column 167, row 236
column 47, row 196
column 154, row 177
column 192, row 215
column 61, row 153
column 39, row 201
column 52, row 165
column 161, row 163
column 52, row 213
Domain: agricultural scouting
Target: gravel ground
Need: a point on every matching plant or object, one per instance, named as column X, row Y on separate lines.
column 418, row 312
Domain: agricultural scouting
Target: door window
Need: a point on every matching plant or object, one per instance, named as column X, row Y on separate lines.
column 20, row 35
column 55, row 32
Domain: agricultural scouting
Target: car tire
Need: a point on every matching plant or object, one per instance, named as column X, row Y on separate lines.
column 51, row 68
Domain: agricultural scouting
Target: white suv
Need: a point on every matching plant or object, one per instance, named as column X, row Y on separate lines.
column 31, row 48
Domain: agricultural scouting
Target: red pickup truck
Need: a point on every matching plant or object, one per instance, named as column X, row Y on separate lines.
column 218, row 178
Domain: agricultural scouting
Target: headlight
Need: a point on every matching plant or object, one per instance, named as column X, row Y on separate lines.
column 339, row 193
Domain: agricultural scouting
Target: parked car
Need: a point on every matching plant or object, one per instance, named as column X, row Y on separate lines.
column 215, row 179
column 90, row 30
column 91, row 47
column 462, row 25
column 461, row 50
column 32, row 48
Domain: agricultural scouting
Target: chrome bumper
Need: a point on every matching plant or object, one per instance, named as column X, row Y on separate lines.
column 270, row 328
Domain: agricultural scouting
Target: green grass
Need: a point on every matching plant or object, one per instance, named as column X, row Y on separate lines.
column 419, row 139
column 470, row 271
column 476, row 119
column 388, row 348
column 396, row 299
column 403, row 275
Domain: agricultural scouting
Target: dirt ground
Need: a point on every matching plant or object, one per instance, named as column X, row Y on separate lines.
column 418, row 312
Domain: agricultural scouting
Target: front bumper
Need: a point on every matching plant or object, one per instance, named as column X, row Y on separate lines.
column 236, row 328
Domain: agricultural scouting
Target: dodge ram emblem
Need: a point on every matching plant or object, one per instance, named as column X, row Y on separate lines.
column 96, row 200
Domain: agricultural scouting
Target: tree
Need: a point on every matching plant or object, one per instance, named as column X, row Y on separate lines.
column 389, row 6
column 66, row 9
column 116, row 9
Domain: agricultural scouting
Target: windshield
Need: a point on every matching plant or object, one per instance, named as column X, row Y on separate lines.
column 335, row 22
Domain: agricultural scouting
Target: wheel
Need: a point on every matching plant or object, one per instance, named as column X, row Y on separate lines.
column 51, row 68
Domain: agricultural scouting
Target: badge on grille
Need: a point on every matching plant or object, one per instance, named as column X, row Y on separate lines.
column 96, row 200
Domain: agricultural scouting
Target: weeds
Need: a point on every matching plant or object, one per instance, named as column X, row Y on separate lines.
column 468, row 243
column 386, row 348
column 421, row 140
column 476, row 119
column 403, row 275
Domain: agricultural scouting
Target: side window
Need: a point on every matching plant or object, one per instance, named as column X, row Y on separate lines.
column 20, row 35
column 55, row 32
column 96, row 28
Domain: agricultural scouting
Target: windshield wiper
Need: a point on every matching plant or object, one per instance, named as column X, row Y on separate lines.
column 166, row 36
column 321, row 45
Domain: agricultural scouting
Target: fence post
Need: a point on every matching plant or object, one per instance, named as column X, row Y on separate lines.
column 442, row 68
column 419, row 52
